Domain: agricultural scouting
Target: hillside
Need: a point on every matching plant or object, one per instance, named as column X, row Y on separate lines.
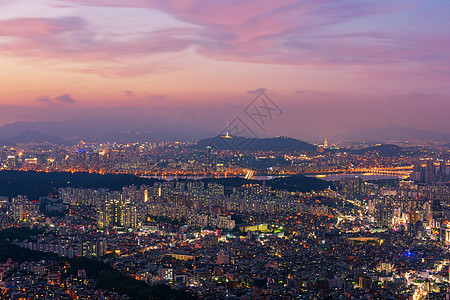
column 296, row 183
column 40, row 184
column 6, row 143
column 383, row 150
column 255, row 144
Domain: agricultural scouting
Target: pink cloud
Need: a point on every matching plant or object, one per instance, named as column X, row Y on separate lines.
column 39, row 26
column 64, row 99
column 280, row 32
column 71, row 38
column 38, row 36
column 289, row 32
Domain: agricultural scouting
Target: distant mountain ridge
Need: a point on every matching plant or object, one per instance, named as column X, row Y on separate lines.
column 103, row 131
column 40, row 184
column 255, row 144
column 125, row 137
column 12, row 129
column 6, row 143
column 393, row 133
column 30, row 136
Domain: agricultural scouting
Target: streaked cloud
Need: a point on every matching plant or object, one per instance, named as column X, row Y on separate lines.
column 294, row 32
column 314, row 33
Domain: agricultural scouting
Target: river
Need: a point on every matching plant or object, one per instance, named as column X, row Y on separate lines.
column 364, row 176
column 326, row 177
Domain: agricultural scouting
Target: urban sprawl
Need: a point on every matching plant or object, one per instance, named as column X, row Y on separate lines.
column 380, row 230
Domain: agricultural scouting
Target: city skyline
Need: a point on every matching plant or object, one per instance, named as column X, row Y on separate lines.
column 331, row 67
column 224, row 149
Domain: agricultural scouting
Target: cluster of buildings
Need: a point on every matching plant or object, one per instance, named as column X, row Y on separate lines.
column 45, row 280
column 360, row 239
column 68, row 245
column 418, row 208
column 430, row 170
column 180, row 159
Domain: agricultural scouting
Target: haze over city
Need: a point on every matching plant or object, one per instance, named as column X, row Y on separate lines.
column 332, row 66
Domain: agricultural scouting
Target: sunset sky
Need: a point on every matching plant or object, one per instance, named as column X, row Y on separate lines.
column 330, row 65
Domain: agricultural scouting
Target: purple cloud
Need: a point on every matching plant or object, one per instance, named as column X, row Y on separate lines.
column 44, row 99
column 324, row 33
column 71, row 39
column 65, row 99
column 421, row 95
column 281, row 32
column 156, row 97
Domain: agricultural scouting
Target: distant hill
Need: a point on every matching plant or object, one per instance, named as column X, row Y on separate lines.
column 298, row 183
column 383, row 150
column 106, row 130
column 30, row 136
column 6, row 143
column 151, row 136
column 393, row 133
column 255, row 144
column 16, row 128
column 41, row 184
column 295, row 183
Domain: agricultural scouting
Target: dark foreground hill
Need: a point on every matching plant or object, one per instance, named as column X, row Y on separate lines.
column 296, row 183
column 41, row 184
column 110, row 279
column 105, row 276
column 255, row 144
column 383, row 150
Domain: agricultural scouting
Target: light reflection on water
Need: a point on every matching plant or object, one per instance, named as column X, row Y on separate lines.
column 256, row 177
column 364, row 176
column 327, row 177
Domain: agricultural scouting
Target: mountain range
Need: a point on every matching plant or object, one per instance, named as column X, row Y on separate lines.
column 130, row 131
column 382, row 150
column 152, row 136
column 392, row 133
column 98, row 131
column 267, row 144
column 6, row 143
column 30, row 136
